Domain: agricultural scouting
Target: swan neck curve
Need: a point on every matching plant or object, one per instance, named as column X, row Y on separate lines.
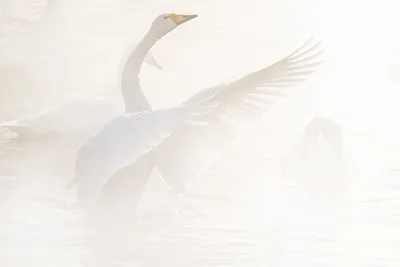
column 134, row 98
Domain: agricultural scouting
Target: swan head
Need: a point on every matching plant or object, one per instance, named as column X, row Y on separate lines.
column 166, row 22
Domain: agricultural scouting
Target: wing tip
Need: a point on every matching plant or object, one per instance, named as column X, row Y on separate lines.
column 312, row 48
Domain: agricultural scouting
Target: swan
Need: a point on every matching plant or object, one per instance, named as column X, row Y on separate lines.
column 113, row 166
column 317, row 157
column 77, row 118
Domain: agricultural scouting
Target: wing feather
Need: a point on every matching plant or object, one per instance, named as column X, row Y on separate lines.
column 245, row 99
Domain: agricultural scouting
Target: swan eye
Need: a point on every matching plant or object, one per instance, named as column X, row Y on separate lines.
column 166, row 17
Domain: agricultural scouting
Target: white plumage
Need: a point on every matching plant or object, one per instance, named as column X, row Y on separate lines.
column 186, row 149
column 124, row 140
column 315, row 161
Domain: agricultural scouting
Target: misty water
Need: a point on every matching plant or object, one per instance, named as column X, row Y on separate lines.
column 242, row 212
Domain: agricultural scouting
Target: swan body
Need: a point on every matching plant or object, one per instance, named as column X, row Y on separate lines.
column 316, row 159
column 186, row 144
column 136, row 122
column 80, row 117
column 107, row 142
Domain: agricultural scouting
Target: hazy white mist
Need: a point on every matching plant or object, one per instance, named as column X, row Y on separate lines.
column 243, row 212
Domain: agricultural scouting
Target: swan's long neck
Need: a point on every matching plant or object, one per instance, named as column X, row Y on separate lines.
column 135, row 100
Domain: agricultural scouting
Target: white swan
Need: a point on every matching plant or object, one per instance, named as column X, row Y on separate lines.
column 113, row 166
column 316, row 159
column 78, row 118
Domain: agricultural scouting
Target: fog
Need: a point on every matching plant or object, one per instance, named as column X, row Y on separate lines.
column 314, row 182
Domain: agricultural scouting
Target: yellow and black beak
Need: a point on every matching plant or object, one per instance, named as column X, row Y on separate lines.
column 179, row 19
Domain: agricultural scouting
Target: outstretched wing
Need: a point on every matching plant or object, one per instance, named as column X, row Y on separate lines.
column 260, row 86
column 190, row 150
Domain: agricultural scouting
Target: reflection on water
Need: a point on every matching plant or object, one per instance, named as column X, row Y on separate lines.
column 242, row 213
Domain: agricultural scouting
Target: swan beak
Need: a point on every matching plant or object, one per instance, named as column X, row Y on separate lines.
column 180, row 19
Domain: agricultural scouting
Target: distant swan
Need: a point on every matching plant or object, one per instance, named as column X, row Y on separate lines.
column 316, row 159
column 77, row 118
column 113, row 166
